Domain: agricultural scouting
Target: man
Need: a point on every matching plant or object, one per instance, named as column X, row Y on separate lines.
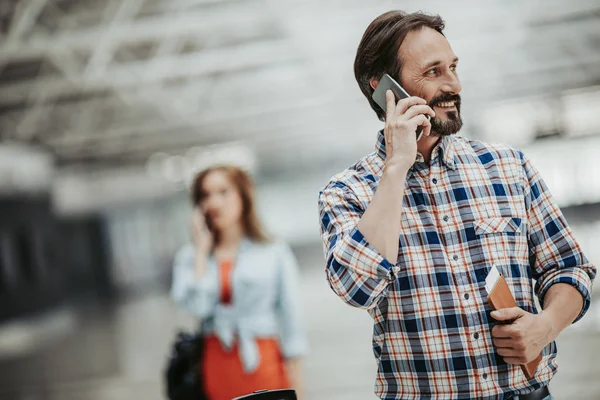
column 411, row 231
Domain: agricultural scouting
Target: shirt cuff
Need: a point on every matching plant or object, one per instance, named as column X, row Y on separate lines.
column 294, row 348
column 576, row 277
column 358, row 254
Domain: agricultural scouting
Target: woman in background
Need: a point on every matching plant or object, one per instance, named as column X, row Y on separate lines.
column 243, row 287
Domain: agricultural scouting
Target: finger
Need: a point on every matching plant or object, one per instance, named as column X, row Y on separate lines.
column 502, row 342
column 425, row 122
column 387, row 134
column 201, row 218
column 197, row 222
column 427, row 127
column 419, row 109
column 390, row 102
column 508, row 352
column 502, row 332
column 514, row 360
column 404, row 104
column 507, row 314
column 420, row 120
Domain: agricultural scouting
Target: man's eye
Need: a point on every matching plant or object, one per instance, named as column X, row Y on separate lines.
column 453, row 68
column 432, row 72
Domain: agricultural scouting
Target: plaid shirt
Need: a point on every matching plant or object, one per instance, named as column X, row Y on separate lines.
column 473, row 207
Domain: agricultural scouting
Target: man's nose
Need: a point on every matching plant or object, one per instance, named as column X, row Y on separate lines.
column 451, row 84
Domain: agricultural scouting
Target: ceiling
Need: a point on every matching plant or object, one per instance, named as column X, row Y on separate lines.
column 110, row 83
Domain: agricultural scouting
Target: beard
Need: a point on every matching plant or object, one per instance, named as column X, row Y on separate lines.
column 453, row 123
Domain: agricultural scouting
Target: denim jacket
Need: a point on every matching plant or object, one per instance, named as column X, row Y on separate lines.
column 265, row 299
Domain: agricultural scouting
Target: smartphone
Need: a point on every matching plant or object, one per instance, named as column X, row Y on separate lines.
column 388, row 83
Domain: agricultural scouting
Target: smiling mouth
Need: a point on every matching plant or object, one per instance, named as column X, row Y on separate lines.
column 446, row 104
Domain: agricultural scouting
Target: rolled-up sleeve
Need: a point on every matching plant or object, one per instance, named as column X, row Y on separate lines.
column 558, row 256
column 356, row 271
column 294, row 341
column 192, row 295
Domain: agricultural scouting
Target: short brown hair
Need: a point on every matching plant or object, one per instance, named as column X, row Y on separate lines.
column 245, row 187
column 377, row 52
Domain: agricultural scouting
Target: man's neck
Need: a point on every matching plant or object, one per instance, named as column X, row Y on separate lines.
column 425, row 146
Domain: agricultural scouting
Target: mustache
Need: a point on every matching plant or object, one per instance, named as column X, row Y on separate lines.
column 444, row 97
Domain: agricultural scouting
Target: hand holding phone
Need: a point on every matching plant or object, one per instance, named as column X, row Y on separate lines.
column 203, row 237
column 402, row 120
column 388, row 83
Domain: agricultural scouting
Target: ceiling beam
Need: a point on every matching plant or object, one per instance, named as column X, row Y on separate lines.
column 273, row 101
column 200, row 24
column 124, row 76
column 23, row 19
column 104, row 48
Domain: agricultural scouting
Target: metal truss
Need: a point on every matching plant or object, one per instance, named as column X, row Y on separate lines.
column 121, row 79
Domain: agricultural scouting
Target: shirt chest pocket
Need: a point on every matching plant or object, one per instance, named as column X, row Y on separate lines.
column 502, row 241
column 498, row 226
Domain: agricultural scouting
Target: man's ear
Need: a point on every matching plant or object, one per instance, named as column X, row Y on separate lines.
column 373, row 82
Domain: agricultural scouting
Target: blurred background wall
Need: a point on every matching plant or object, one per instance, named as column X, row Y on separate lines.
column 108, row 107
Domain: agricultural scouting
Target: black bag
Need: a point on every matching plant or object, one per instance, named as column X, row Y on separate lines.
column 183, row 375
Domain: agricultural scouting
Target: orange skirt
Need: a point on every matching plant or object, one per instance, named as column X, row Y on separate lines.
column 224, row 376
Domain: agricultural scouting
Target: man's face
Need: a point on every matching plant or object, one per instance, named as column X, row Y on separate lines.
column 429, row 71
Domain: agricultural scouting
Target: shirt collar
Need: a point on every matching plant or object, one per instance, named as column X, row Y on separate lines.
column 444, row 150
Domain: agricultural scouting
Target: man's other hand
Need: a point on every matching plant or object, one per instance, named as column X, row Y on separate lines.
column 522, row 336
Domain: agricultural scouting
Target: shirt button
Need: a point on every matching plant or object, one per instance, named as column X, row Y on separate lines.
column 476, row 335
column 484, row 375
column 434, row 181
column 466, row 296
column 455, row 257
column 446, row 218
